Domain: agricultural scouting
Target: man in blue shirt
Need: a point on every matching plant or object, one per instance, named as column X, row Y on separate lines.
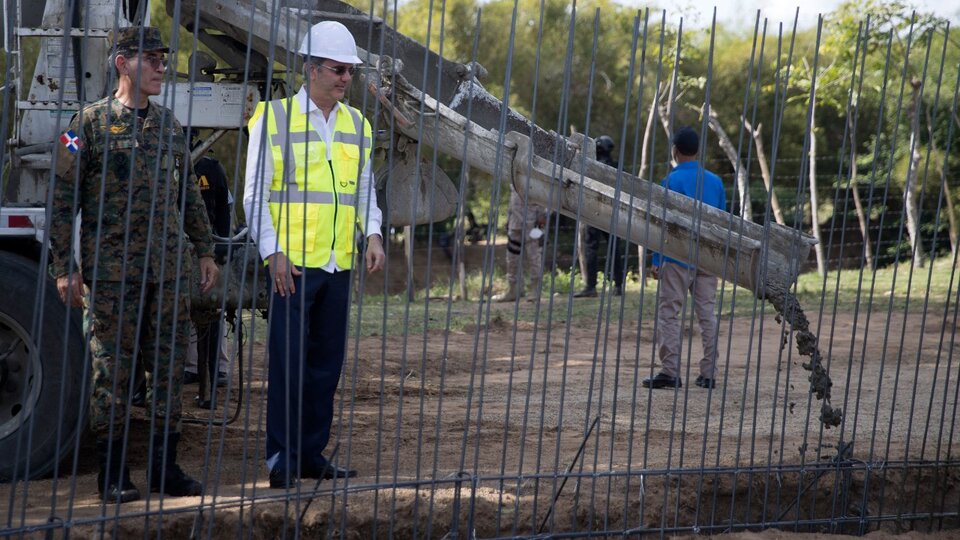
column 677, row 278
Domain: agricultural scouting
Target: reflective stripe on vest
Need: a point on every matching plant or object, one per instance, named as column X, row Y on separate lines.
column 287, row 138
column 302, row 202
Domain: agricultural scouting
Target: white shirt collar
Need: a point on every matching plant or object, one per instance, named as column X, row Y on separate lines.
column 307, row 105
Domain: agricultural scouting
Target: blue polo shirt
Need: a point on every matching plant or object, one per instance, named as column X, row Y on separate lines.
column 697, row 183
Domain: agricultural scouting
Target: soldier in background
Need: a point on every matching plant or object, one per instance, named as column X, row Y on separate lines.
column 589, row 239
column 210, row 338
column 124, row 164
column 525, row 225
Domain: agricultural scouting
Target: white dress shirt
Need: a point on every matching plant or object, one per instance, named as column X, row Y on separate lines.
column 259, row 176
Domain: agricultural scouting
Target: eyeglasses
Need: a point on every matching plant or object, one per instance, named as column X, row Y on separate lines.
column 339, row 71
column 154, row 61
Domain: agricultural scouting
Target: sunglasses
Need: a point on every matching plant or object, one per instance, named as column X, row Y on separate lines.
column 339, row 71
column 154, row 61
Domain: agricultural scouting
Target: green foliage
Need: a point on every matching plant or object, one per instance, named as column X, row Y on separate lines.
column 525, row 44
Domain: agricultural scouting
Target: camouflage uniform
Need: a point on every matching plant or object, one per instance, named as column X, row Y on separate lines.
column 130, row 177
column 523, row 218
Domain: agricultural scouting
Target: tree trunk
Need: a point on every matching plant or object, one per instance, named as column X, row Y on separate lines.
column 910, row 207
column 743, row 183
column 664, row 108
column 460, row 237
column 408, row 253
column 667, row 118
column 647, row 132
column 951, row 211
column 644, row 163
column 857, row 204
column 951, row 214
column 814, row 213
column 765, row 171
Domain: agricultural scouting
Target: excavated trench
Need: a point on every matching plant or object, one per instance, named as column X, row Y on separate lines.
column 826, row 501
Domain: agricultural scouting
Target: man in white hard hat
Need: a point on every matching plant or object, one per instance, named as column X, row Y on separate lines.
column 308, row 187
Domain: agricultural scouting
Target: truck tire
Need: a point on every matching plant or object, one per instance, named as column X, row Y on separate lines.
column 41, row 384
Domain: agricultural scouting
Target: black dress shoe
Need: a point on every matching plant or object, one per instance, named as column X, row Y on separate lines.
column 662, row 381
column 327, row 472
column 222, row 379
column 174, row 482
column 190, row 377
column 587, row 292
column 704, row 382
column 283, row 479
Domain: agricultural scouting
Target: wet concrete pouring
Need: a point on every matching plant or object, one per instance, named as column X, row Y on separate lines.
column 789, row 310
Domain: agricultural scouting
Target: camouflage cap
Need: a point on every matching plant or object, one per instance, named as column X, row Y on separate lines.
column 128, row 39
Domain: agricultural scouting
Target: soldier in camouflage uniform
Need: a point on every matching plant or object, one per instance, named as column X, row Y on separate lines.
column 125, row 165
column 524, row 219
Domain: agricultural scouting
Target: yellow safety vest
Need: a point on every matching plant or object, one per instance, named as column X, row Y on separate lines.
column 313, row 202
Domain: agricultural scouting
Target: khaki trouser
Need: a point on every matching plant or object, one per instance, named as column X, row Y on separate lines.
column 519, row 224
column 675, row 282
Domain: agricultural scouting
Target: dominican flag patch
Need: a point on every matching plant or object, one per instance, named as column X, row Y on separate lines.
column 71, row 141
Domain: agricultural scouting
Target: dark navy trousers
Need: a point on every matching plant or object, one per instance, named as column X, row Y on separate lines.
column 308, row 335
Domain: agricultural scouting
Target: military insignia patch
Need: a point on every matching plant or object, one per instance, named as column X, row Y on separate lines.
column 116, row 130
column 71, row 141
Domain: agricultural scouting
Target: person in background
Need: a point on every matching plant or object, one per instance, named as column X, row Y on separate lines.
column 215, row 190
column 678, row 279
column 590, row 240
column 525, row 237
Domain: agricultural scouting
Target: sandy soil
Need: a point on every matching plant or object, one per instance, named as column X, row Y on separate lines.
column 473, row 430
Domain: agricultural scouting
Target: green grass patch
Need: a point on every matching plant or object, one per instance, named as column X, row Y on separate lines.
column 892, row 287
column 435, row 310
column 428, row 311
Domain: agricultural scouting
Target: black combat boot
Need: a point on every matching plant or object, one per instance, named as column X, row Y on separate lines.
column 166, row 474
column 119, row 489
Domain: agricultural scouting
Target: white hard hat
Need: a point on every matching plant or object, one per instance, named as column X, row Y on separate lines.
column 330, row 39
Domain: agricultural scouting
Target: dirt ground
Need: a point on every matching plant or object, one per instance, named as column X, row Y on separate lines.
column 473, row 431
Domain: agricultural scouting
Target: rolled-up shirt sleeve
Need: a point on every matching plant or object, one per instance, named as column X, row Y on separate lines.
column 256, row 191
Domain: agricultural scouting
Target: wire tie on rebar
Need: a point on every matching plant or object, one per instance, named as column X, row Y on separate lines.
column 54, row 519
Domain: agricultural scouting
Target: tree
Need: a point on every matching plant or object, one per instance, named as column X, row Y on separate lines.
column 743, row 183
column 809, row 80
column 910, row 205
column 765, row 170
column 887, row 41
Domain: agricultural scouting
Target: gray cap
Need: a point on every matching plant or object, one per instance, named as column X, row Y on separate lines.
column 137, row 39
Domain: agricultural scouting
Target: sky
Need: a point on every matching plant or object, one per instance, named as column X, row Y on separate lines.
column 742, row 13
